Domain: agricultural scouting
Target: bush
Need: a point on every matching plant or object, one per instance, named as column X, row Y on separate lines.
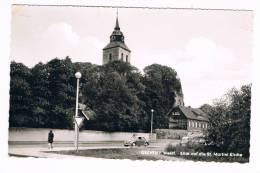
column 229, row 122
column 184, row 148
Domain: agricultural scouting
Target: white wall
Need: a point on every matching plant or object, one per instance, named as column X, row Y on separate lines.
column 39, row 134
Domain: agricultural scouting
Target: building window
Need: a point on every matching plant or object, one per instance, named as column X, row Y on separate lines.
column 206, row 125
column 195, row 124
column 203, row 125
column 189, row 124
column 192, row 124
column 176, row 113
column 122, row 57
column 110, row 57
column 126, row 58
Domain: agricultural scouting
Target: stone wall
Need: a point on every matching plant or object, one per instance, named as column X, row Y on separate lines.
column 40, row 134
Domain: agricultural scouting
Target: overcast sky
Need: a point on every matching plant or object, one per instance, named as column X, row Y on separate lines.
column 209, row 49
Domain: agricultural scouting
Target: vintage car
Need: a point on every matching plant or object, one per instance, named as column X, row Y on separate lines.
column 139, row 141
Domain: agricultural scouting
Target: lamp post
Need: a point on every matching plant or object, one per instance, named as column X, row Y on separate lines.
column 151, row 124
column 78, row 76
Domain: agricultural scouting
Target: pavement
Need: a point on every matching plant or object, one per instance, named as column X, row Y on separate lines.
column 45, row 152
column 40, row 150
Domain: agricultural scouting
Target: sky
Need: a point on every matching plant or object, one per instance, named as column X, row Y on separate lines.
column 209, row 49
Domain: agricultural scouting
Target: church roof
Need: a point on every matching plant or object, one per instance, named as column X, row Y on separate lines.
column 117, row 38
column 117, row 24
column 116, row 44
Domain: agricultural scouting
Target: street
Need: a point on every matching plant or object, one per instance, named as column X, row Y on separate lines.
column 40, row 149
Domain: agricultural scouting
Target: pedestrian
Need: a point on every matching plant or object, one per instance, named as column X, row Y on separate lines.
column 50, row 139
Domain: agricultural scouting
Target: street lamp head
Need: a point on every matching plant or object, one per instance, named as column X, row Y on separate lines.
column 152, row 110
column 78, row 75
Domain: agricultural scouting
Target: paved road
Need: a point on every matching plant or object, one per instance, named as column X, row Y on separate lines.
column 38, row 149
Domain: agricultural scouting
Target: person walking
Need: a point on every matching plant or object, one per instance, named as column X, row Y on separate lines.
column 50, row 139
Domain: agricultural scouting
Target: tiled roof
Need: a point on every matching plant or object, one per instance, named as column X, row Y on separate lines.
column 192, row 113
column 116, row 44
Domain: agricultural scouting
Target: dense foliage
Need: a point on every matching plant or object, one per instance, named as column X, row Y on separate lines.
column 230, row 122
column 228, row 133
column 120, row 96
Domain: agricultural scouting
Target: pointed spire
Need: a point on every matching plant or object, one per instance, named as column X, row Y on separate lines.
column 117, row 35
column 117, row 23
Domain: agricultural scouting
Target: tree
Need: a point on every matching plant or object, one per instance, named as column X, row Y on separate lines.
column 20, row 96
column 230, row 122
column 239, row 114
column 40, row 95
column 206, row 108
column 89, row 83
column 117, row 105
column 120, row 96
column 62, row 85
column 161, row 85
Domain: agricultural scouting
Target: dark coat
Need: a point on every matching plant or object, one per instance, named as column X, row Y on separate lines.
column 50, row 137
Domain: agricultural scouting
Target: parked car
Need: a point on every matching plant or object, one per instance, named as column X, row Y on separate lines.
column 139, row 141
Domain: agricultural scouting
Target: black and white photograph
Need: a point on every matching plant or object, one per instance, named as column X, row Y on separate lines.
column 130, row 83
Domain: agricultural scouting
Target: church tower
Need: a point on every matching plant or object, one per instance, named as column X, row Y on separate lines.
column 116, row 49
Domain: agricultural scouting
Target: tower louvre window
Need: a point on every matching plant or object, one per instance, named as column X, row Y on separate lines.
column 122, row 56
column 126, row 58
column 110, row 57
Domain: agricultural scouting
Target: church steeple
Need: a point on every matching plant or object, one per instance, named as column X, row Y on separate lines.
column 117, row 24
column 117, row 35
column 116, row 48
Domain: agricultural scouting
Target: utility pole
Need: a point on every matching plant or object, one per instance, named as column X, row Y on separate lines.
column 78, row 76
column 151, row 124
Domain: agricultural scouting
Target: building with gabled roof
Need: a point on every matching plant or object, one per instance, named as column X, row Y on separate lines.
column 187, row 118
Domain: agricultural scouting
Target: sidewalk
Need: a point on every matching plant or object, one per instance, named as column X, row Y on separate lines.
column 45, row 152
column 40, row 150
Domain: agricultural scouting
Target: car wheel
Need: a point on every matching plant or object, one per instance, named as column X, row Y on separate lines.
column 133, row 144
